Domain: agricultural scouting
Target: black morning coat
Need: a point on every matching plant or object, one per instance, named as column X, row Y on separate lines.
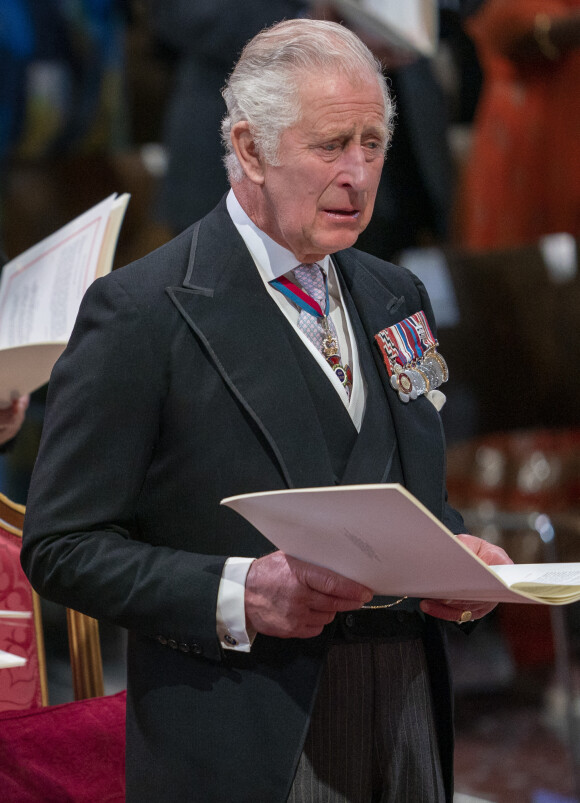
column 183, row 383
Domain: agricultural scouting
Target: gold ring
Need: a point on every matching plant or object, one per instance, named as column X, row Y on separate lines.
column 465, row 617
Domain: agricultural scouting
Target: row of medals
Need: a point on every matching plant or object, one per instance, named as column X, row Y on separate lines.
column 420, row 376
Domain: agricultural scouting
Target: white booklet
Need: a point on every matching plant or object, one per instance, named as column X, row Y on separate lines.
column 41, row 291
column 383, row 537
column 411, row 26
column 9, row 661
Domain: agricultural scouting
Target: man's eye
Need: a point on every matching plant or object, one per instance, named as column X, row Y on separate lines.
column 330, row 147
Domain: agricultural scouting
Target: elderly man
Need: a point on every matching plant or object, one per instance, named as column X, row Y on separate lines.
column 241, row 357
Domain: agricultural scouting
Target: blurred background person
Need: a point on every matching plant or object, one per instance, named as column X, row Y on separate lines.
column 522, row 179
column 414, row 203
column 204, row 39
column 63, row 105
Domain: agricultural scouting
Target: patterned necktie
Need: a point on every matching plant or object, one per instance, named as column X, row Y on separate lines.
column 321, row 331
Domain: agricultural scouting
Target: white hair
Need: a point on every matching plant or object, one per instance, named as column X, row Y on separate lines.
column 264, row 87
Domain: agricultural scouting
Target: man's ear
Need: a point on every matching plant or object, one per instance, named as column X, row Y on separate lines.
column 247, row 152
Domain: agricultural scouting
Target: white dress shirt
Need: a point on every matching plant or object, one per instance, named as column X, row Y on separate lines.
column 273, row 261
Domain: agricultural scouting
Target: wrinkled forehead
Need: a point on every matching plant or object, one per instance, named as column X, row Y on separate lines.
column 310, row 88
column 332, row 93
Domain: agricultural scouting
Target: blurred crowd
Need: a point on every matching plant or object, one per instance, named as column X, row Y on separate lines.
column 99, row 96
column 125, row 94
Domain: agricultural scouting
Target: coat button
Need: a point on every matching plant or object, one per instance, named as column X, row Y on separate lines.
column 196, row 648
column 162, row 640
column 349, row 620
column 172, row 643
column 184, row 647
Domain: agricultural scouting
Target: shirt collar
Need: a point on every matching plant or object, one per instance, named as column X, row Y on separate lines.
column 272, row 259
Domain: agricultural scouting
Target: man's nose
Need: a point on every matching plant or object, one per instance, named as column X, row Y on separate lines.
column 354, row 167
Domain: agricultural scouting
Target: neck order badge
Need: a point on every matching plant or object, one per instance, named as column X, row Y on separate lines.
column 312, row 299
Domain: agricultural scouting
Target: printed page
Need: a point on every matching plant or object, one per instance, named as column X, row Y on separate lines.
column 557, row 581
column 24, row 369
column 42, row 288
column 41, row 291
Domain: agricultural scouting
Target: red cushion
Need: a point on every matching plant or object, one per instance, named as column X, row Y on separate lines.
column 71, row 753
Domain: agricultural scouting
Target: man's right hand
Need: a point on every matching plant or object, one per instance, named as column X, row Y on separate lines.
column 288, row 598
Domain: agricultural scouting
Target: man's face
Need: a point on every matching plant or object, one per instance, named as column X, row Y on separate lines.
column 321, row 196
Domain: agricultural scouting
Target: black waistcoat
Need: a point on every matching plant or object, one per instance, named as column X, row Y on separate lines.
column 348, row 449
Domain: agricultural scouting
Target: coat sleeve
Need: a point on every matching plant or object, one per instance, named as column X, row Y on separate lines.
column 81, row 544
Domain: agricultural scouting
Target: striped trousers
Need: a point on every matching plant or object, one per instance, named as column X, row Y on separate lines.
column 372, row 737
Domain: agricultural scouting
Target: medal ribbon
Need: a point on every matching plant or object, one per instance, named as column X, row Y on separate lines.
column 305, row 302
column 421, row 326
column 407, row 342
column 390, row 351
column 301, row 298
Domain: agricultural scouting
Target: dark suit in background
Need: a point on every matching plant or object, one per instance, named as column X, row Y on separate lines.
column 205, row 38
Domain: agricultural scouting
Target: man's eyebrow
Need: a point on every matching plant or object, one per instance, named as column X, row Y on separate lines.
column 372, row 130
column 376, row 130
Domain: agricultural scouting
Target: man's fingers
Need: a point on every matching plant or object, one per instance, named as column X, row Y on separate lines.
column 317, row 601
column 332, row 584
column 491, row 554
column 287, row 597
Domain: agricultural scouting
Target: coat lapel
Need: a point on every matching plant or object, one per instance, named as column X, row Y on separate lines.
column 226, row 305
column 224, row 302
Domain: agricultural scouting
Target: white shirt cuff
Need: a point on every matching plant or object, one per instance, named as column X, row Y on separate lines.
column 230, row 613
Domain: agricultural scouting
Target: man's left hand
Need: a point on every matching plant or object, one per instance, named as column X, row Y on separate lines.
column 454, row 610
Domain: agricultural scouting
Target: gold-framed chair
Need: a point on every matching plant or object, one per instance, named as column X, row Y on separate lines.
column 18, row 637
column 68, row 753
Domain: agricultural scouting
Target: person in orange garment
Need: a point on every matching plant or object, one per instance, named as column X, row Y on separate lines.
column 523, row 176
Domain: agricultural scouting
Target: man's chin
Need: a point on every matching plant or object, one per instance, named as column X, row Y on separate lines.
column 338, row 243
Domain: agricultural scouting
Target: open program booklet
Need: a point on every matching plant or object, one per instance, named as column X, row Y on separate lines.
column 384, row 538
column 41, row 291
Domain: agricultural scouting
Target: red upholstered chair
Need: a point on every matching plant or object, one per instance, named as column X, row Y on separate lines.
column 52, row 754
column 24, row 686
